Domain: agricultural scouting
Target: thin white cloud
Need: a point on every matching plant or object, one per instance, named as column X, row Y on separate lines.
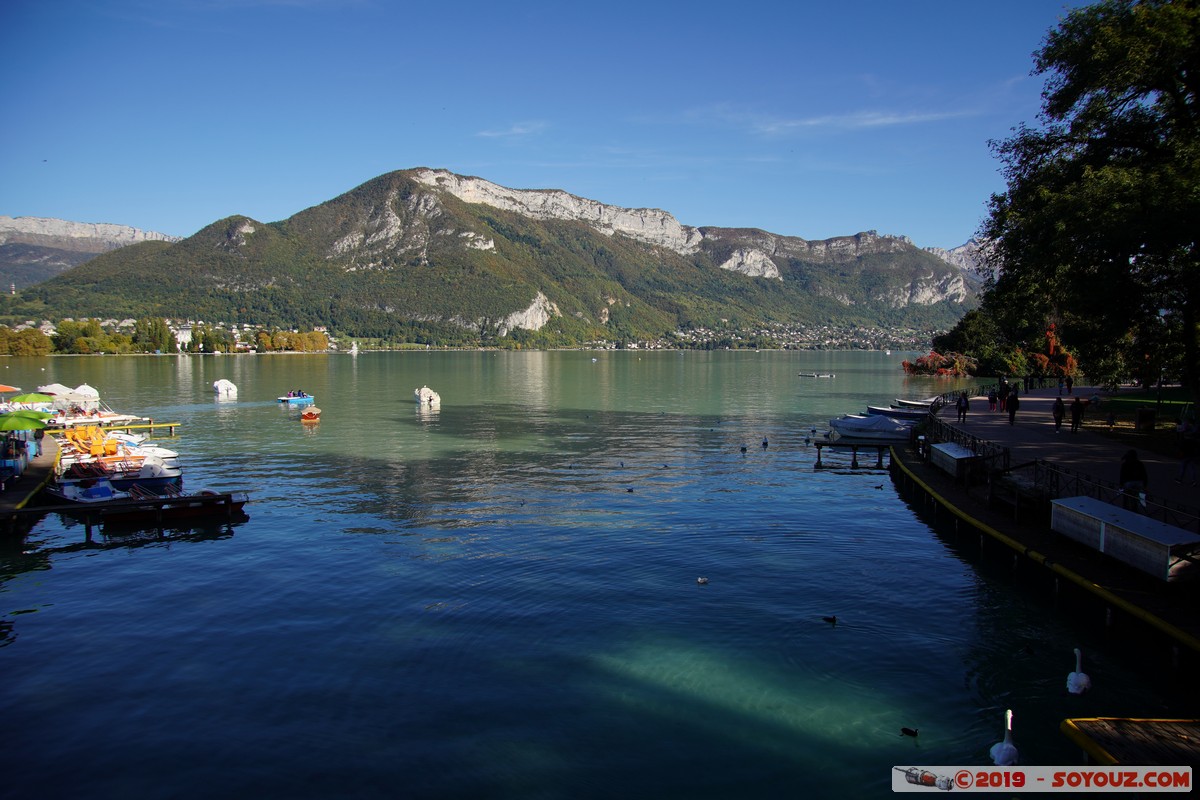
column 514, row 131
column 857, row 121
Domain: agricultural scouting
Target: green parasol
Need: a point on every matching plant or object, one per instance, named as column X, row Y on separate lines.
column 31, row 397
column 32, row 413
column 16, row 422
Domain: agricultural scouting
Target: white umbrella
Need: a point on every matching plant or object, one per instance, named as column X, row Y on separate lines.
column 86, row 397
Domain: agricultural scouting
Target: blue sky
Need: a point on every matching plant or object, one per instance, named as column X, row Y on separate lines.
column 804, row 119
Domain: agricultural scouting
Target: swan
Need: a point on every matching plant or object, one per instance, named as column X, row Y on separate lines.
column 1004, row 754
column 701, row 580
column 1078, row 681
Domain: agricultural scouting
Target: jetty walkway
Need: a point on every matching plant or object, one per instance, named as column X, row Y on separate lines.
column 20, row 490
column 1157, row 617
column 1170, row 608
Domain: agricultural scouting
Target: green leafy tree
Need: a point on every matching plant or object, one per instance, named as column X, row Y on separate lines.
column 154, row 335
column 1098, row 226
column 25, row 342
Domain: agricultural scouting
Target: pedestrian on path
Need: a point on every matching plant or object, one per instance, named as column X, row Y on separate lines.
column 1076, row 414
column 1070, row 383
column 963, row 405
column 1189, row 451
column 1059, row 411
column 1133, row 480
column 1013, row 404
column 992, row 399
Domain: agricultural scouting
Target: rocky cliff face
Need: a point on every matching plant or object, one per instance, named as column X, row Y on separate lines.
column 965, row 256
column 751, row 252
column 647, row 225
column 33, row 249
column 81, row 237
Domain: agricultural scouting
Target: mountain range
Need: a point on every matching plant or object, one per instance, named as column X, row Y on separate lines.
column 423, row 250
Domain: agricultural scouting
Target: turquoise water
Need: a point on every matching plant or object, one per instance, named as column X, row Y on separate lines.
column 500, row 598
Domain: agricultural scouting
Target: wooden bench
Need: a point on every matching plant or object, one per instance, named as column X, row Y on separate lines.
column 1149, row 545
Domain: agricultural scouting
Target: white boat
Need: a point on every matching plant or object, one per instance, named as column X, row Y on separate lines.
column 926, row 403
column 899, row 413
column 873, row 426
column 817, row 375
column 224, row 388
column 354, row 348
column 427, row 397
column 149, row 472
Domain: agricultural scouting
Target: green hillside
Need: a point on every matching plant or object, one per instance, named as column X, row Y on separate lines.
column 396, row 259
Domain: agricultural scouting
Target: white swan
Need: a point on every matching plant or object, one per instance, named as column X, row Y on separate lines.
column 1004, row 754
column 1078, row 682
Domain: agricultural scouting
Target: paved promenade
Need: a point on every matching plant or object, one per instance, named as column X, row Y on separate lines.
column 20, row 491
column 1032, row 436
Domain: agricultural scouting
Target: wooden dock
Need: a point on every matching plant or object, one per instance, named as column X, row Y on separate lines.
column 1111, row 741
column 846, row 443
column 18, row 509
column 151, row 511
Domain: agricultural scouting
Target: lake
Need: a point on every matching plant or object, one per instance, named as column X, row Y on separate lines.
column 499, row 598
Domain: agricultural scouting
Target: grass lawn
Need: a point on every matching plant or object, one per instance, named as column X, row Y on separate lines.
column 1168, row 406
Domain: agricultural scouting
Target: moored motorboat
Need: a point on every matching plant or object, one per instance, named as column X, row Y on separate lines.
column 875, row 427
column 100, row 496
column 899, row 413
column 224, row 388
column 149, row 472
column 926, row 403
column 427, row 397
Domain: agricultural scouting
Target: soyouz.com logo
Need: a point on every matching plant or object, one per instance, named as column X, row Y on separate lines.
column 1042, row 779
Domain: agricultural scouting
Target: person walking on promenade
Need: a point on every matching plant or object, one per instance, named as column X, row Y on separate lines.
column 1076, row 414
column 963, row 405
column 1059, row 411
column 1060, row 384
column 1002, row 394
column 1189, row 451
column 1070, row 383
column 992, row 399
column 1013, row 404
column 1133, row 480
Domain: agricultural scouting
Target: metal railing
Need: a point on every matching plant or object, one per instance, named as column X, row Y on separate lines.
column 993, row 455
column 1057, row 481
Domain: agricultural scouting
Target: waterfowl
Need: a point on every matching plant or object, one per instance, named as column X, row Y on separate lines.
column 701, row 581
column 908, row 732
column 1078, row 681
column 1004, row 754
column 830, row 620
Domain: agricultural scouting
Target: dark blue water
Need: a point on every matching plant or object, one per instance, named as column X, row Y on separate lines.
column 500, row 598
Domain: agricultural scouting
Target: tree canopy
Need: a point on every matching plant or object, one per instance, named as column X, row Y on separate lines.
column 1097, row 229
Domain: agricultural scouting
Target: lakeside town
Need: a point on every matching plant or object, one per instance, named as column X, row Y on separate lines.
column 198, row 336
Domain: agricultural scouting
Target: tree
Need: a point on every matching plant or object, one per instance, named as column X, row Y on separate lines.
column 1097, row 229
